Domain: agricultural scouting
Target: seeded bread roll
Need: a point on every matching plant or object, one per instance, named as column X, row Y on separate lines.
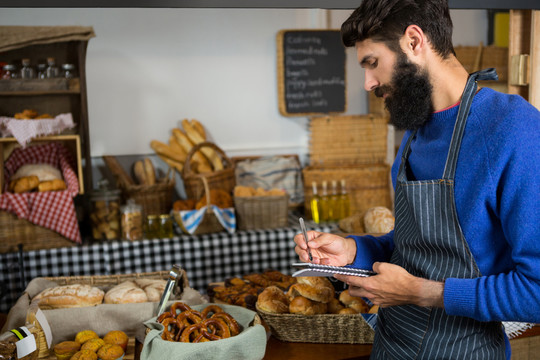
column 69, row 296
column 273, row 300
column 312, row 287
column 304, row 306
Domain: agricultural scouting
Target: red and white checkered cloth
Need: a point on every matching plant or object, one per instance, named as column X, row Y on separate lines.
column 54, row 210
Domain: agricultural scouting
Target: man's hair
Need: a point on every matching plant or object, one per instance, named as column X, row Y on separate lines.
column 386, row 21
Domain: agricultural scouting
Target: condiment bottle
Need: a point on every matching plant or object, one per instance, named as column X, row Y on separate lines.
column 41, row 71
column 52, row 70
column 344, row 201
column 165, row 226
column 105, row 214
column 333, row 203
column 27, row 72
column 131, row 220
column 315, row 204
column 151, row 230
column 324, row 204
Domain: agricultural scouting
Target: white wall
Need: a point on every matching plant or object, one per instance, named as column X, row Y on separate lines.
column 149, row 68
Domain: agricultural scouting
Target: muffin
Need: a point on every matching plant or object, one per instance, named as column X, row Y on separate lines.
column 84, row 355
column 117, row 337
column 66, row 349
column 110, row 352
column 85, row 335
column 93, row 345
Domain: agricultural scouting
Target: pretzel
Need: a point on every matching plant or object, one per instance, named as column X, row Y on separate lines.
column 164, row 316
column 179, row 305
column 189, row 317
column 230, row 321
column 192, row 330
column 217, row 327
column 211, row 309
column 170, row 335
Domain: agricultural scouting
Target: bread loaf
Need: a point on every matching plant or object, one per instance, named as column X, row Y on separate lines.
column 378, row 220
column 273, row 300
column 44, row 172
column 312, row 287
column 68, row 296
column 137, row 291
column 304, row 306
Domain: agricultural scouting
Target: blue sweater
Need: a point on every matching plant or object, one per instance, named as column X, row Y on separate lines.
column 497, row 194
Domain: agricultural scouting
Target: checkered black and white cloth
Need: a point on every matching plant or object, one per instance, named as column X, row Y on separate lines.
column 206, row 258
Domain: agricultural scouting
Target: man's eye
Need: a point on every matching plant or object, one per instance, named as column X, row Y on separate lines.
column 374, row 64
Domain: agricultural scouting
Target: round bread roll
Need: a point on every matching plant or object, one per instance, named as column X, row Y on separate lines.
column 44, row 172
column 125, row 293
column 347, row 310
column 273, row 300
column 378, row 220
column 304, row 306
column 334, row 306
column 356, row 303
column 68, row 296
column 153, row 288
column 312, row 287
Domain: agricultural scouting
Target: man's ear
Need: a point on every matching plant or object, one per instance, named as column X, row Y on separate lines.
column 414, row 41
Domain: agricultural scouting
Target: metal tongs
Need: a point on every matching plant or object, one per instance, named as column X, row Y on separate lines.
column 174, row 276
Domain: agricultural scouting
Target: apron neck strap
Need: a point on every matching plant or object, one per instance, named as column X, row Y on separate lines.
column 461, row 121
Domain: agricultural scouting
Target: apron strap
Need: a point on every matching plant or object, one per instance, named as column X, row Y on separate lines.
column 463, row 113
column 404, row 156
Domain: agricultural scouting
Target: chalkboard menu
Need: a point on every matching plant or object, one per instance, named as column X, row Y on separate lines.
column 311, row 72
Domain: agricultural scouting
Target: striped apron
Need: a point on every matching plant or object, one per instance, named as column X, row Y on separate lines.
column 429, row 244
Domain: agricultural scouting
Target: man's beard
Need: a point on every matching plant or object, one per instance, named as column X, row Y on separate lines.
column 409, row 96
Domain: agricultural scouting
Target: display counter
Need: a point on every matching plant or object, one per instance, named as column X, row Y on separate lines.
column 206, row 258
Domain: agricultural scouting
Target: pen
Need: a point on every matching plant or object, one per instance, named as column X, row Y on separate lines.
column 303, row 227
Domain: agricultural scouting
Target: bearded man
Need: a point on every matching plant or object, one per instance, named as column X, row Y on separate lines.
column 464, row 256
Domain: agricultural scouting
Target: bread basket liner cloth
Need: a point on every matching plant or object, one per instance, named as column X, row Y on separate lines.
column 191, row 219
column 249, row 344
column 53, row 210
column 67, row 322
column 15, row 37
column 26, row 130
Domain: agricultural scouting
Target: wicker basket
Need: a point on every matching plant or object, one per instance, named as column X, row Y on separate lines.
column 209, row 223
column 323, row 328
column 15, row 231
column 261, row 212
column 367, row 185
column 348, row 140
column 222, row 179
column 154, row 199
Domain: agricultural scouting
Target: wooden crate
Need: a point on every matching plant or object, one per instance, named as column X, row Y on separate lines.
column 348, row 140
column 367, row 185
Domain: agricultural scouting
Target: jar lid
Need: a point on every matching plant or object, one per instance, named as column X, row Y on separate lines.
column 68, row 66
column 131, row 207
column 9, row 67
column 104, row 192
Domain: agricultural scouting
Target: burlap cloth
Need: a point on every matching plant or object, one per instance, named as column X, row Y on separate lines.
column 249, row 344
column 66, row 323
column 15, row 37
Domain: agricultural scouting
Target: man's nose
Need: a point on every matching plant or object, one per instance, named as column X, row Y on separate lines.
column 370, row 82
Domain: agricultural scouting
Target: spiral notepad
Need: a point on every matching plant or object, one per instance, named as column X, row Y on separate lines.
column 308, row 269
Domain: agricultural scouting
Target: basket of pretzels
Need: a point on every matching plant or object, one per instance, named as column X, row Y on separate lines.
column 211, row 330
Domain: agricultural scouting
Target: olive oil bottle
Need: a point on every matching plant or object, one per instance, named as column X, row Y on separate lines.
column 315, row 204
column 334, row 203
column 324, row 208
column 344, row 201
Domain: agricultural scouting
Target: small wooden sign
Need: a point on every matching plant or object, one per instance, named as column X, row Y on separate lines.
column 311, row 72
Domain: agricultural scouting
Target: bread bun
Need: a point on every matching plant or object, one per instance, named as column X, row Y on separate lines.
column 110, row 352
column 84, row 355
column 334, row 306
column 44, row 172
column 347, row 310
column 67, row 296
column 219, row 197
column 356, row 303
column 125, row 293
column 273, row 300
column 66, row 349
column 304, row 306
column 117, row 337
column 378, row 220
column 312, row 287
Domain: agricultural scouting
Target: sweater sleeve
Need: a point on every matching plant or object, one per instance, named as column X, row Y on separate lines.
column 512, row 294
column 370, row 249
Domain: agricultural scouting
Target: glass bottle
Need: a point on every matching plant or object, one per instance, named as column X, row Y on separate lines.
column 325, row 203
column 165, row 226
column 68, row 71
column 344, row 201
column 333, row 203
column 41, row 71
column 131, row 220
column 152, row 227
column 315, row 204
column 52, row 70
column 27, row 72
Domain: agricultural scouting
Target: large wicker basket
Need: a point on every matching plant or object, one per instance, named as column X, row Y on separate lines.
column 15, row 231
column 261, row 212
column 367, row 185
column 155, row 199
column 323, row 328
column 221, row 179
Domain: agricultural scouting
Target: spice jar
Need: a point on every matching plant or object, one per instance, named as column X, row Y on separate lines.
column 166, row 226
column 131, row 221
column 152, row 227
column 105, row 215
column 68, row 71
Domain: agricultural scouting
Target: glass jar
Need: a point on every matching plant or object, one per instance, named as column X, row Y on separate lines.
column 105, row 213
column 165, row 226
column 131, row 221
column 152, row 227
column 27, row 72
column 52, row 70
column 9, row 71
column 41, row 71
column 68, row 71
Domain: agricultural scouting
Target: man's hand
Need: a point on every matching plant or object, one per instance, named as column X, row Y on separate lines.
column 327, row 249
column 393, row 285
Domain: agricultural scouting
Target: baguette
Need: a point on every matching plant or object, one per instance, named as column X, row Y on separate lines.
column 199, row 127
column 177, row 148
column 165, row 150
column 196, row 138
column 179, row 166
column 150, row 172
column 138, row 171
column 202, row 162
